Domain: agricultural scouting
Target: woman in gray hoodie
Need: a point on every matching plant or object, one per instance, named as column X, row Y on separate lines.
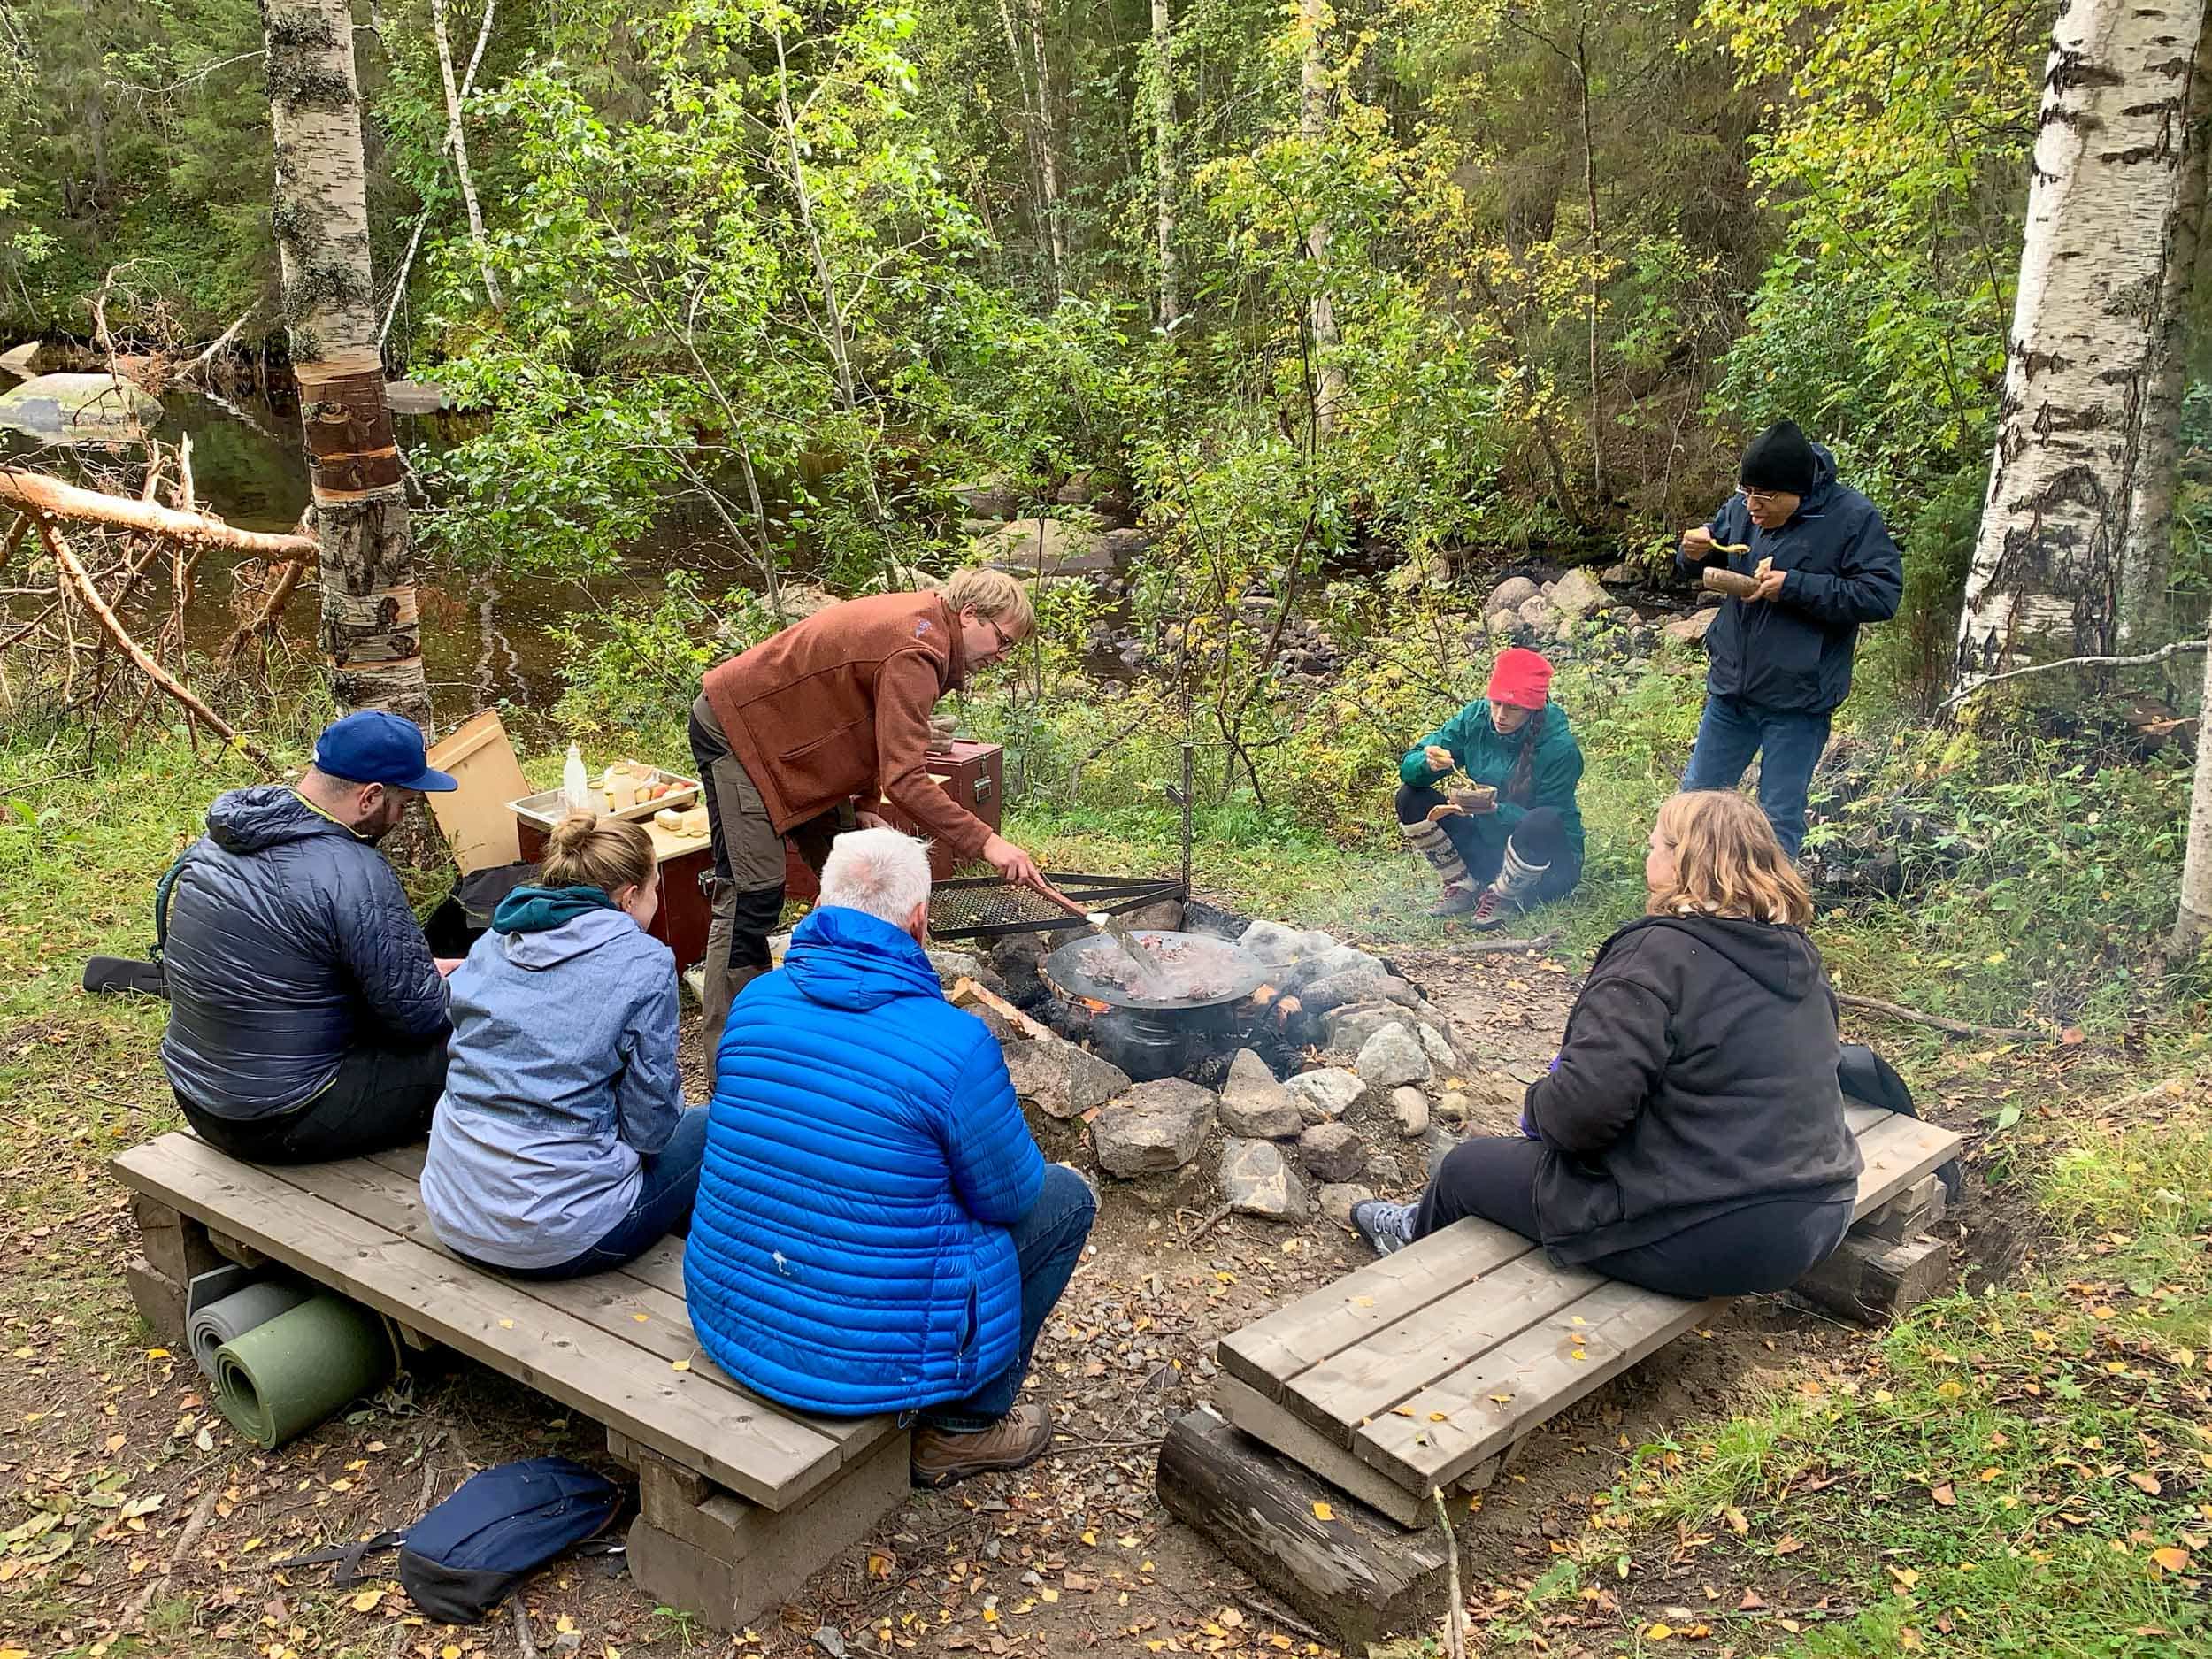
column 561, row 1146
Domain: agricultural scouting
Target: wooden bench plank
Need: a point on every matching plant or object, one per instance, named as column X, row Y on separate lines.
column 1538, row 1374
column 1897, row 1152
column 764, row 1456
column 1366, row 1381
column 1269, row 1352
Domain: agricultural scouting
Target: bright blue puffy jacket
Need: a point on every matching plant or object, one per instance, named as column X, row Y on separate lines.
column 849, row 1250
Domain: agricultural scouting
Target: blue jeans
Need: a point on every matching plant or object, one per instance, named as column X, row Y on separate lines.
column 668, row 1182
column 1047, row 1243
column 1788, row 746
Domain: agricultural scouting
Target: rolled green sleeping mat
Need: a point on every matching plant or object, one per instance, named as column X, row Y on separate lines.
column 280, row 1379
column 227, row 1320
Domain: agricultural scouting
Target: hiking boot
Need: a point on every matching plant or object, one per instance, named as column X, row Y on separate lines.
column 1491, row 908
column 1386, row 1226
column 940, row 1456
column 1456, row 901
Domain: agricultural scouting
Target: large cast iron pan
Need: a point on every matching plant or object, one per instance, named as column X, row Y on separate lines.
column 1221, row 972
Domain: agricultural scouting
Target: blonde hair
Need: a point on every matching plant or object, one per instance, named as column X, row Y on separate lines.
column 1726, row 862
column 994, row 597
column 606, row 853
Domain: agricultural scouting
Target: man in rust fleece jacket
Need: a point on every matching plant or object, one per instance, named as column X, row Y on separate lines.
column 787, row 735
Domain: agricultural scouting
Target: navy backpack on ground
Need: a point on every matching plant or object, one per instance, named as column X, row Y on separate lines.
column 467, row 1555
column 1870, row 1079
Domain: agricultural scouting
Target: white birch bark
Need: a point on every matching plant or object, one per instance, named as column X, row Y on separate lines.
column 2103, row 197
column 2193, row 926
column 1314, row 17
column 1163, row 158
column 1048, row 153
column 369, row 623
column 457, row 140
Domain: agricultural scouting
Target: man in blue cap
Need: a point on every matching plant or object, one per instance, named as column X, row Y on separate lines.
column 307, row 1016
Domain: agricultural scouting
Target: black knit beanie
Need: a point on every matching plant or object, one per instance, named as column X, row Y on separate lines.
column 1779, row 458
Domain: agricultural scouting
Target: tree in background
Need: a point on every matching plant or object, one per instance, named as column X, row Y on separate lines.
column 2105, row 221
column 369, row 626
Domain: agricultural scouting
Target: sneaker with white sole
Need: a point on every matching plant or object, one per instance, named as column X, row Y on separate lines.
column 1386, row 1226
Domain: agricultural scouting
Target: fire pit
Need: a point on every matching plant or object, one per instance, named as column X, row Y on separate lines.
column 1157, row 1018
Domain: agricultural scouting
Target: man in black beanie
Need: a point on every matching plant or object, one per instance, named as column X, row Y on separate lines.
column 1780, row 658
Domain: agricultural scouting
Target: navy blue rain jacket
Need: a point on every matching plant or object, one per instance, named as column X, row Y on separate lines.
column 1793, row 654
column 290, row 942
column 850, row 1249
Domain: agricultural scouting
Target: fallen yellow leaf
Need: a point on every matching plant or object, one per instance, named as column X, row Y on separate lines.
column 1322, row 1512
column 365, row 1602
column 679, row 1364
column 2145, row 1483
column 2173, row 1559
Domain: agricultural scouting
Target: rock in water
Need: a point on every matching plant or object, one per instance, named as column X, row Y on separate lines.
column 1064, row 1080
column 1154, row 1128
column 80, row 409
column 1258, row 1180
column 1335, row 1200
column 1254, row 1103
column 1410, row 1108
column 1438, row 1048
column 1333, row 1152
column 1391, row 1056
column 1324, row 1094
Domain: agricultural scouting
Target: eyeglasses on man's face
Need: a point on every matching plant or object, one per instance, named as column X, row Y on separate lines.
column 1761, row 497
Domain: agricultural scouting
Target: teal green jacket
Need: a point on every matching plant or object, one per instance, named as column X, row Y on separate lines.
column 1487, row 756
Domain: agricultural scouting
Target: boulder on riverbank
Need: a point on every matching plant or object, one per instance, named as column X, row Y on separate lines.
column 79, row 409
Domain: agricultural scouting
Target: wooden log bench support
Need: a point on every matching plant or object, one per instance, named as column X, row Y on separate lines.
column 741, row 1499
column 1430, row 1367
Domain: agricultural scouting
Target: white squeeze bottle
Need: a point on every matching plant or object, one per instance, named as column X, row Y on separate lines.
column 575, row 786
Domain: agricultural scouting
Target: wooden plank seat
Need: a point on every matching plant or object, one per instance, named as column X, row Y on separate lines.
column 740, row 1498
column 1428, row 1367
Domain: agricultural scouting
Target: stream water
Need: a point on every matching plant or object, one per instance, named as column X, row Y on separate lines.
column 485, row 633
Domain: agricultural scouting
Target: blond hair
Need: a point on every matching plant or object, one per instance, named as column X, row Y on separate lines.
column 1727, row 861
column 606, row 853
column 993, row 595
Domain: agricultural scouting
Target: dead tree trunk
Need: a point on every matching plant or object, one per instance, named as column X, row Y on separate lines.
column 457, row 140
column 2104, row 201
column 1313, row 127
column 370, row 628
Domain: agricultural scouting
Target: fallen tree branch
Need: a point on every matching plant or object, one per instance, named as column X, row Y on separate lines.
column 187, row 1535
column 51, row 498
column 1956, row 1028
column 79, row 579
column 199, row 364
column 2158, row 656
column 287, row 577
column 1499, row 946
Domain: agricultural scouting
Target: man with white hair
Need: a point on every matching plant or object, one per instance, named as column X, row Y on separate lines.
column 875, row 1229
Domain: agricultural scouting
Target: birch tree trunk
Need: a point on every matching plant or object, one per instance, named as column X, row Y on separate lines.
column 1046, row 210
column 2103, row 200
column 370, row 629
column 1313, row 127
column 1048, row 153
column 1590, row 199
column 457, row 140
column 2146, row 556
column 2193, row 926
column 1164, row 157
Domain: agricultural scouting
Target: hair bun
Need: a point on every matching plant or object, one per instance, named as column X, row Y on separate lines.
column 573, row 833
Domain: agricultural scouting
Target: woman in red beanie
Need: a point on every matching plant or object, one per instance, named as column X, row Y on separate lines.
column 1515, row 838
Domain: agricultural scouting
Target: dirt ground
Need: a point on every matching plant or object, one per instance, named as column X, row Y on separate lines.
column 164, row 1526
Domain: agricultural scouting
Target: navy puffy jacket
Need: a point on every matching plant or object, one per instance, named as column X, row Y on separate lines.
column 1793, row 654
column 849, row 1250
column 290, row 942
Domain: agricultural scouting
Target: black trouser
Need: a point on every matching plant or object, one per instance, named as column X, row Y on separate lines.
column 381, row 1098
column 1540, row 838
column 1765, row 1245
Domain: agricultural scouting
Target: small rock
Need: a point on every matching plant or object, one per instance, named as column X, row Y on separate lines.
column 1439, row 1145
column 1689, row 630
column 1258, row 1180
column 1438, row 1048
column 1356, row 985
column 1620, row 574
column 1333, row 1152
column 1509, row 594
column 1351, row 1025
column 1452, row 1111
column 569, row 1641
column 1503, row 621
column 1538, row 614
column 1385, row 1171
column 998, row 1026
column 1335, row 1200
column 1275, row 945
column 1410, row 1108
column 1576, row 594
column 1254, row 1103
column 829, row 1641
column 1154, row 1128
column 954, row 965
column 1065, row 1080
column 1326, row 1094
column 1391, row 1056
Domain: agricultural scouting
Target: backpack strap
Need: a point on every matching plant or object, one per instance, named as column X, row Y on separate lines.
column 347, row 1557
column 162, row 889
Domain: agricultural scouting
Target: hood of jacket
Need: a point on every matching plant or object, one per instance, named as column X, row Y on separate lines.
column 848, row 959
column 1778, row 959
column 1823, row 483
column 581, row 933
column 534, row 910
column 252, row 820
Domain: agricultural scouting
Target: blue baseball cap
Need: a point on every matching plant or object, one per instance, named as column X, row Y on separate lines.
column 375, row 747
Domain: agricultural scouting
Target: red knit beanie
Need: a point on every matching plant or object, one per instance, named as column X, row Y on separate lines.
column 1519, row 678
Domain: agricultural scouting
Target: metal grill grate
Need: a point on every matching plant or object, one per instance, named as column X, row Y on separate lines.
column 985, row 907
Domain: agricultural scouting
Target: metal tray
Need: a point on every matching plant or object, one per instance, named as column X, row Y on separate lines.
column 547, row 807
column 985, row 907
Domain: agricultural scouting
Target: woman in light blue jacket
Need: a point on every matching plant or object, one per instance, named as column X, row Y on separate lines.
column 561, row 1145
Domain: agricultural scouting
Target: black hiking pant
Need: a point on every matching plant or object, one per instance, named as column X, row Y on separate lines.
column 1540, row 838
column 383, row 1097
